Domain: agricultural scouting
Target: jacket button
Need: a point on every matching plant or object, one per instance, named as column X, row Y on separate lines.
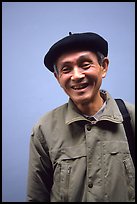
column 88, row 127
column 90, row 185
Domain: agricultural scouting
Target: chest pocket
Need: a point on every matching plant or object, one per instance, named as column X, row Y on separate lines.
column 69, row 165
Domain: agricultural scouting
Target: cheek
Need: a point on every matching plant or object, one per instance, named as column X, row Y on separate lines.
column 100, row 74
column 94, row 76
column 63, row 81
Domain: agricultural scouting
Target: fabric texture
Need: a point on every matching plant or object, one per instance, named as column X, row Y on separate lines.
column 73, row 159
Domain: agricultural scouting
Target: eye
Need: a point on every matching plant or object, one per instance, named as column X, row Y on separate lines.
column 66, row 69
column 86, row 65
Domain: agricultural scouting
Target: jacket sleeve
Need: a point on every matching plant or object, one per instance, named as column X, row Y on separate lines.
column 131, row 109
column 40, row 172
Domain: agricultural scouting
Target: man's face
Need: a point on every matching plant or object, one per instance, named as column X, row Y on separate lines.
column 80, row 75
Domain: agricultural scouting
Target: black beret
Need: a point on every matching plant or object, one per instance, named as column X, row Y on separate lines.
column 77, row 41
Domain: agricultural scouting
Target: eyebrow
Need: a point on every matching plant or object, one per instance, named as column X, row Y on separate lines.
column 84, row 58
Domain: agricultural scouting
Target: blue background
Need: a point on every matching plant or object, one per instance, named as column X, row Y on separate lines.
column 29, row 90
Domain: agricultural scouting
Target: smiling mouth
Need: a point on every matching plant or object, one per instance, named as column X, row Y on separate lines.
column 79, row 86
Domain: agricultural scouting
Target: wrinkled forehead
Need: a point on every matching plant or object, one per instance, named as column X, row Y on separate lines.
column 73, row 56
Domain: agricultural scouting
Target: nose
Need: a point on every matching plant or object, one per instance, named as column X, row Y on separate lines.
column 77, row 74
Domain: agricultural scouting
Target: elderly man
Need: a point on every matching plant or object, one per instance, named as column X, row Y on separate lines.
column 79, row 151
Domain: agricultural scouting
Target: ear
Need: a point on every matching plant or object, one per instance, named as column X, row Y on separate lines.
column 55, row 74
column 57, row 77
column 105, row 67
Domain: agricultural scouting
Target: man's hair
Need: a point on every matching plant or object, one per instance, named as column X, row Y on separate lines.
column 100, row 58
column 56, row 69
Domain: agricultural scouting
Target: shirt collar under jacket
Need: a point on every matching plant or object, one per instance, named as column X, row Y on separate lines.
column 97, row 115
column 108, row 113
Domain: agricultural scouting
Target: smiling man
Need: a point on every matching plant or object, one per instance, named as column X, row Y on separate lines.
column 80, row 75
column 79, row 151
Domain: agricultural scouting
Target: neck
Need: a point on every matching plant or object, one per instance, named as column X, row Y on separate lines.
column 92, row 107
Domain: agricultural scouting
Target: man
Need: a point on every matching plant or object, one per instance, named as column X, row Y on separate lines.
column 79, row 151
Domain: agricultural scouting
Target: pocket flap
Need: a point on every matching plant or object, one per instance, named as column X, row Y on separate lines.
column 66, row 153
column 114, row 147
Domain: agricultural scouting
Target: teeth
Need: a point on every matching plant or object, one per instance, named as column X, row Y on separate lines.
column 79, row 87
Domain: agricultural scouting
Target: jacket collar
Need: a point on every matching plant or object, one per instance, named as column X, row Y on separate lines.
column 73, row 114
column 111, row 112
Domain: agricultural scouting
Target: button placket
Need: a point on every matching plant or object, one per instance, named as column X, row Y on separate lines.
column 88, row 127
column 90, row 183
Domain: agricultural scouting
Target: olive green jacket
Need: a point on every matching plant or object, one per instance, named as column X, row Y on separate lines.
column 73, row 159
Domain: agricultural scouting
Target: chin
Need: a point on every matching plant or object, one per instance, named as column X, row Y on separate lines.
column 82, row 100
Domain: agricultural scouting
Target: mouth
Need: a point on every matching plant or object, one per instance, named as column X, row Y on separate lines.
column 80, row 86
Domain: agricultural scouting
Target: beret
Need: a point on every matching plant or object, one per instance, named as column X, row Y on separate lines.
column 77, row 41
